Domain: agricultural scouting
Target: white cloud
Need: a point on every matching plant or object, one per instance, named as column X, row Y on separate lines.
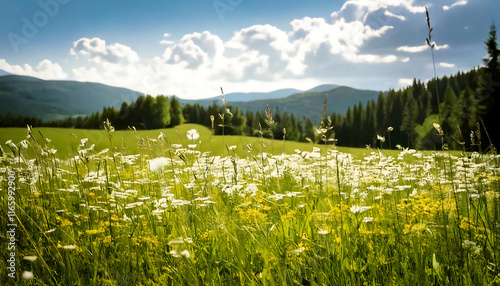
column 97, row 50
column 314, row 39
column 198, row 62
column 417, row 49
column 404, row 82
column 259, row 51
column 372, row 59
column 459, row 3
column 44, row 69
column 389, row 14
column 360, row 8
column 366, row 38
column 194, row 50
column 446, row 65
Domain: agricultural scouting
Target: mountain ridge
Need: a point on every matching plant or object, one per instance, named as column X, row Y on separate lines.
column 59, row 99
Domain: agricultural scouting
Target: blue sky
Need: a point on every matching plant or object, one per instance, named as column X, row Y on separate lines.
column 191, row 48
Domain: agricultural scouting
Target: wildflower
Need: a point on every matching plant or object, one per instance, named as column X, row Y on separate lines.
column 231, row 148
column 158, row 163
column 359, row 209
column 471, row 245
column 192, row 134
column 68, row 247
column 161, row 136
column 107, row 126
column 192, row 146
column 181, row 240
column 24, row 144
column 30, row 258
column 322, row 231
column 186, row 253
column 381, row 138
column 174, row 253
column 367, row 219
column 27, row 275
column 126, row 218
column 390, row 128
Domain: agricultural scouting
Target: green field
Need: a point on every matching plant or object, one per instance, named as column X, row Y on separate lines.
column 141, row 210
column 66, row 141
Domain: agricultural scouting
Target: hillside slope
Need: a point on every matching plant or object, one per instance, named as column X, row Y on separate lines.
column 51, row 100
column 310, row 104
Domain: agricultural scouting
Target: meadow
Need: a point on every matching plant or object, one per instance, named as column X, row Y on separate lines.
column 185, row 207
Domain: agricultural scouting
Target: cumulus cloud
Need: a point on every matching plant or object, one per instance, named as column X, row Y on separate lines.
column 259, row 51
column 368, row 39
column 308, row 48
column 360, row 8
column 44, row 69
column 459, row 3
column 194, row 49
column 97, row 50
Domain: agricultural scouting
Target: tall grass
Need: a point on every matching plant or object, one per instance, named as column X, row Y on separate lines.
column 172, row 215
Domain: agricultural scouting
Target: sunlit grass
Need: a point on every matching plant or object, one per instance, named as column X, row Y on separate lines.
column 148, row 209
column 66, row 140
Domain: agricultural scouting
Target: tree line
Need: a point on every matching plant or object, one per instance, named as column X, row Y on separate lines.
column 463, row 105
column 146, row 112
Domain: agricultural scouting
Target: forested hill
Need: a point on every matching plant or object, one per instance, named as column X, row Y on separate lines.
column 307, row 104
column 56, row 100
column 407, row 116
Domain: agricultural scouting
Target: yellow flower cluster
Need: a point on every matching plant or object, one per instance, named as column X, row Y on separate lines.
column 252, row 215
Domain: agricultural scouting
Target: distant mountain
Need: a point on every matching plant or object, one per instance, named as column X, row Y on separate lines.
column 251, row 96
column 242, row 97
column 53, row 100
column 323, row 88
column 310, row 104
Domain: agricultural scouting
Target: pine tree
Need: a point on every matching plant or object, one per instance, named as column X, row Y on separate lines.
column 410, row 116
column 446, row 108
column 465, row 114
column 176, row 117
column 380, row 114
column 489, row 87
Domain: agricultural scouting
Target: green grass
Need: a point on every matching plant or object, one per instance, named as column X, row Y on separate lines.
column 169, row 215
column 66, row 141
